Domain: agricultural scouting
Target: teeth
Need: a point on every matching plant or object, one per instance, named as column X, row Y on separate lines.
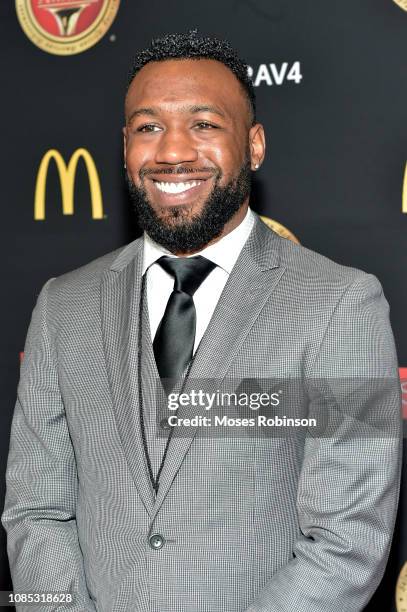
column 176, row 187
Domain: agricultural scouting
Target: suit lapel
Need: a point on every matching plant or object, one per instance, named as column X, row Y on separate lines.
column 119, row 303
column 253, row 278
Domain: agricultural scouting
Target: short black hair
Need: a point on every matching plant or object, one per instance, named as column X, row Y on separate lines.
column 192, row 46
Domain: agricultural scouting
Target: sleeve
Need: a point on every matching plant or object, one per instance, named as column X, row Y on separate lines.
column 349, row 483
column 41, row 481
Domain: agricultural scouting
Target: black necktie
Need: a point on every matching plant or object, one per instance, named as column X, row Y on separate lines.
column 174, row 341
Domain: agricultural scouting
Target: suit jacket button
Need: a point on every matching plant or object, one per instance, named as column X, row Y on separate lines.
column 164, row 424
column 156, row 541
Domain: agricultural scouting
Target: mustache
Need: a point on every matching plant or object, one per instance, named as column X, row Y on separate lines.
column 179, row 170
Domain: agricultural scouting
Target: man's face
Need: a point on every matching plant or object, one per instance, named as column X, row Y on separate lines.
column 189, row 149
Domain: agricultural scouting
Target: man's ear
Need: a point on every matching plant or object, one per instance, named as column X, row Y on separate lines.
column 257, row 145
column 124, row 130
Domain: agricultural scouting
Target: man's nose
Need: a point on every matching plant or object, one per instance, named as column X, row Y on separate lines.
column 176, row 147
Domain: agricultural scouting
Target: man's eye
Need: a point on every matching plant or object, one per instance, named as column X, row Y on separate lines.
column 205, row 125
column 148, row 127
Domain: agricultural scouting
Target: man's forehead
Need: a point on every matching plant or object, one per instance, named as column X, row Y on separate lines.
column 184, row 83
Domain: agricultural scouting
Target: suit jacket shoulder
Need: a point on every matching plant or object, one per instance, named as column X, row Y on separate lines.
column 303, row 265
column 313, row 264
column 91, row 272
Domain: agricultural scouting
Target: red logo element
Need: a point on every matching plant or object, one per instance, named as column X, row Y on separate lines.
column 403, row 381
column 65, row 18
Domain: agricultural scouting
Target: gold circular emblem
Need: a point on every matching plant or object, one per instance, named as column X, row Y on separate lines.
column 66, row 27
column 401, row 590
column 279, row 229
column 402, row 4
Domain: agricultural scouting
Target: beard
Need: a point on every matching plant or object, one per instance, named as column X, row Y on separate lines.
column 178, row 232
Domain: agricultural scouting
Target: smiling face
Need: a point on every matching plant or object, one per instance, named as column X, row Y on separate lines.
column 189, row 148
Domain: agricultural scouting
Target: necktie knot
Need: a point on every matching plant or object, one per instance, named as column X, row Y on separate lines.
column 188, row 272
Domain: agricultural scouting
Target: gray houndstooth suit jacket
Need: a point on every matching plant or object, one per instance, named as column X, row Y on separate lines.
column 248, row 524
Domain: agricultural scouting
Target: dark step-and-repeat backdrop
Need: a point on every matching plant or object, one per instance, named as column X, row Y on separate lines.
column 330, row 79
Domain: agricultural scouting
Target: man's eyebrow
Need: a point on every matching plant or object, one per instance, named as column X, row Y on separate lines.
column 142, row 111
column 195, row 108
column 205, row 108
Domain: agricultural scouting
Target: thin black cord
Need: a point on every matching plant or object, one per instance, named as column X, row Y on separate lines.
column 140, row 390
column 154, row 481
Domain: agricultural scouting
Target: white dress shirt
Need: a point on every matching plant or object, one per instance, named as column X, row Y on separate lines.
column 160, row 283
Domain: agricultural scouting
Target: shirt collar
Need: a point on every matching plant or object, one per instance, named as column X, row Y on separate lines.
column 223, row 252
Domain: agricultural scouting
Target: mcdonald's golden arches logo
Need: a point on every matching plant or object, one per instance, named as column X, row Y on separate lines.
column 67, row 173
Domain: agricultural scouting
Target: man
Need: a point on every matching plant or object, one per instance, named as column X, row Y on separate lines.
column 102, row 506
